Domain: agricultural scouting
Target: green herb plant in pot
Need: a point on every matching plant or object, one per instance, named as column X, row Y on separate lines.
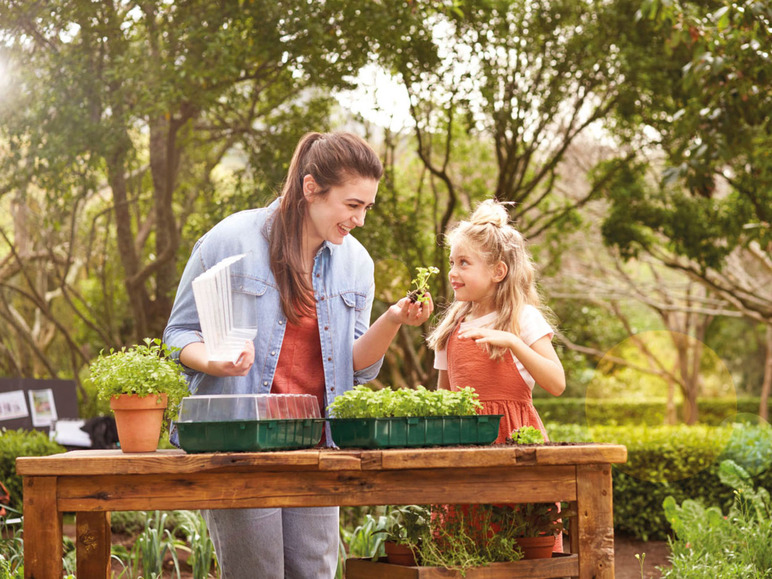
column 406, row 525
column 539, row 523
column 144, row 386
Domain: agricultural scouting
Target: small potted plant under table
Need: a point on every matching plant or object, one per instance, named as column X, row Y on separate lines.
column 144, row 386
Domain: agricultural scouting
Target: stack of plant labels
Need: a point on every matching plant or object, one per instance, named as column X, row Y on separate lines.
column 214, row 302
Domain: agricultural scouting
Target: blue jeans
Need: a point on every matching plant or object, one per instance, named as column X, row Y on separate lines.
column 275, row 543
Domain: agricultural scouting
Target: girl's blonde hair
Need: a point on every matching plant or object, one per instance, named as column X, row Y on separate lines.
column 489, row 234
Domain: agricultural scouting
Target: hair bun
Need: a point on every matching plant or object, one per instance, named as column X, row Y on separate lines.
column 490, row 212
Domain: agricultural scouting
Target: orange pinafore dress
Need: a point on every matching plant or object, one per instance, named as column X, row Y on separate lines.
column 500, row 387
column 498, row 383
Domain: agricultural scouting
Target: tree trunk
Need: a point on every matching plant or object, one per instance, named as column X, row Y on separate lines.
column 766, row 385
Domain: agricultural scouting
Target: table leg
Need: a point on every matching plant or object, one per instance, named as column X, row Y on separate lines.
column 92, row 544
column 595, row 521
column 42, row 529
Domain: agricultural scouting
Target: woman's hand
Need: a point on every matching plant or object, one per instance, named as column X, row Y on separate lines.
column 411, row 313
column 195, row 356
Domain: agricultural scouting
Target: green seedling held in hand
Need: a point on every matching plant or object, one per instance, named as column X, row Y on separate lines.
column 421, row 283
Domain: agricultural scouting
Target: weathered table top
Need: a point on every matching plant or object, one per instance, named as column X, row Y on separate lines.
column 106, row 462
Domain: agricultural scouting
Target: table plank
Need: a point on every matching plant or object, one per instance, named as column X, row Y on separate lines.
column 42, row 526
column 595, row 521
column 92, row 542
column 89, row 463
column 174, row 461
column 317, row 488
column 447, row 457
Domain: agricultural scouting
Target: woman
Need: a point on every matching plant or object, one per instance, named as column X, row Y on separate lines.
column 312, row 289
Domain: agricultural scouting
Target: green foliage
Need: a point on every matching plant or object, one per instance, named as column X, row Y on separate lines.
column 710, row 544
column 191, row 525
column 620, row 412
column 679, row 461
column 16, row 443
column 462, row 537
column 527, row 435
column 161, row 535
column 530, row 519
column 366, row 540
column 421, row 283
column 363, row 402
column 406, row 524
column 143, row 369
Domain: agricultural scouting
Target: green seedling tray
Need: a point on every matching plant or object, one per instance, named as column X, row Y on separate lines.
column 250, row 435
column 415, row 431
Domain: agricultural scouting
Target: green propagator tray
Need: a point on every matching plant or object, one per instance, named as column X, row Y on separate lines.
column 415, row 431
column 250, row 435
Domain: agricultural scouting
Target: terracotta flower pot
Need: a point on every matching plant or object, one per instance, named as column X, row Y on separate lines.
column 536, row 547
column 397, row 554
column 138, row 421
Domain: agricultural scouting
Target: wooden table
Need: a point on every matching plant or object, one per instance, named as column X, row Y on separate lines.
column 92, row 483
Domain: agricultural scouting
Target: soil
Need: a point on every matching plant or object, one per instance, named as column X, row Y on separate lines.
column 626, row 566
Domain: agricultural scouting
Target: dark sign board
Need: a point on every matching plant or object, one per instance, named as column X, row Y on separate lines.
column 27, row 403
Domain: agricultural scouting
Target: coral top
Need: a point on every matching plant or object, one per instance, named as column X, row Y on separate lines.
column 300, row 369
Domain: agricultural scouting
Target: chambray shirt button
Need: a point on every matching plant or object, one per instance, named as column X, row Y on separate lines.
column 265, row 383
column 332, row 389
column 321, row 299
column 273, row 353
column 280, row 322
column 329, row 359
column 326, row 327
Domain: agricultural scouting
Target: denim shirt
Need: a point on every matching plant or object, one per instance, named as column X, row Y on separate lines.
column 344, row 290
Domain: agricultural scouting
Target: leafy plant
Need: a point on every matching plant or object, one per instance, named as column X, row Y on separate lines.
column 421, row 283
column 202, row 556
column 462, row 538
column 143, row 369
column 363, row 402
column 527, row 435
column 709, row 544
column 366, row 540
column 530, row 519
column 16, row 443
column 407, row 524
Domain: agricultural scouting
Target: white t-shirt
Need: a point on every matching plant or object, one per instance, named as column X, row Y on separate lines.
column 533, row 327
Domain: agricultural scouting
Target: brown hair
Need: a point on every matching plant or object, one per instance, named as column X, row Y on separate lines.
column 331, row 159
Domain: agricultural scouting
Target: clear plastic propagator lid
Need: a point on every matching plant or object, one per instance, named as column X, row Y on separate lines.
column 232, row 407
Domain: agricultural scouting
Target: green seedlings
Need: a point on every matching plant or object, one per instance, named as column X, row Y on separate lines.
column 363, row 402
column 527, row 435
column 421, row 283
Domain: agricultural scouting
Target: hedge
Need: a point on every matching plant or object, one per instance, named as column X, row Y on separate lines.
column 614, row 412
column 680, row 461
column 14, row 443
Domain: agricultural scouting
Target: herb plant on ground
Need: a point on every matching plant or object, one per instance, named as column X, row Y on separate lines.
column 363, row 402
column 709, row 544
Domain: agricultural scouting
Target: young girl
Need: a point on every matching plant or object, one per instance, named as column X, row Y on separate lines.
column 493, row 337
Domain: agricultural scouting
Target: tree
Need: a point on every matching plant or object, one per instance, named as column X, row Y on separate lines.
column 121, row 112
column 708, row 212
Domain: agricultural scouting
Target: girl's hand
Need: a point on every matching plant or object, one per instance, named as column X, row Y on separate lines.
column 498, row 338
column 412, row 314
